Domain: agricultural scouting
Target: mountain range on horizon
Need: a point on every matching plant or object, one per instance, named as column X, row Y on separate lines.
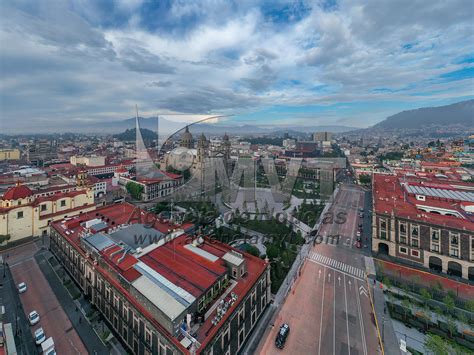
column 460, row 114
column 457, row 114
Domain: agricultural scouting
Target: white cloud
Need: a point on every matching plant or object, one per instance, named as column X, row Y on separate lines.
column 62, row 63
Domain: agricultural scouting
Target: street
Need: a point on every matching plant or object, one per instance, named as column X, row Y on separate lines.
column 328, row 309
column 40, row 297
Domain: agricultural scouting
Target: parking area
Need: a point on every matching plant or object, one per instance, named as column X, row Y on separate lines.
column 41, row 298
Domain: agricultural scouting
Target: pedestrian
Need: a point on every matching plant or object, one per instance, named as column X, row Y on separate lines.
column 80, row 320
column 375, row 282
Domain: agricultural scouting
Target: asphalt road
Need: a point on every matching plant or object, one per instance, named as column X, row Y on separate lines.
column 328, row 309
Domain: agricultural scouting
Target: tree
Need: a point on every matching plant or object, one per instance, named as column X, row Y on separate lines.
column 435, row 344
column 469, row 305
column 449, row 304
column 272, row 251
column 365, row 179
column 406, row 304
column 252, row 250
column 426, row 295
column 452, row 328
column 134, row 189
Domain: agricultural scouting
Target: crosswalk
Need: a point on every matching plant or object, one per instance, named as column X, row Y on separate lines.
column 337, row 265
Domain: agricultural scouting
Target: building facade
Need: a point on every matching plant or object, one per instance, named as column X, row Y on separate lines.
column 10, row 154
column 28, row 213
column 425, row 222
column 178, row 295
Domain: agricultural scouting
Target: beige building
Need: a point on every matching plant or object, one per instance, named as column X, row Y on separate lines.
column 9, row 154
column 24, row 213
column 92, row 160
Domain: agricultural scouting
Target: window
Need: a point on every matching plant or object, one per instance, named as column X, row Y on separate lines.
column 241, row 315
column 135, row 323
column 253, row 316
column 415, row 253
column 454, row 244
column 226, row 336
column 43, row 207
column 415, row 231
column 148, row 337
column 125, row 313
column 383, row 229
column 19, row 215
column 403, row 250
column 241, row 336
column 454, row 239
column 435, row 240
column 253, row 299
column 403, row 228
column 472, row 248
column 403, row 239
column 63, row 203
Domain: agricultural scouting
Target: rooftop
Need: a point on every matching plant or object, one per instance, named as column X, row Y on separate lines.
column 160, row 260
column 435, row 201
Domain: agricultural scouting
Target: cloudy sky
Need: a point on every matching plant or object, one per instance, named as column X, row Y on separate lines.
column 344, row 62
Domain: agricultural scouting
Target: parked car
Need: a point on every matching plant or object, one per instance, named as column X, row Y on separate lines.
column 22, row 287
column 33, row 317
column 358, row 244
column 39, row 336
column 358, row 234
column 282, row 336
column 361, row 215
column 48, row 347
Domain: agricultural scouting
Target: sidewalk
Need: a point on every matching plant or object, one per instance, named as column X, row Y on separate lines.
column 387, row 332
column 93, row 344
column 413, row 337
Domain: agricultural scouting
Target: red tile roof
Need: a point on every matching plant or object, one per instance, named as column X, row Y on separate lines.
column 16, row 192
column 188, row 270
column 390, row 197
column 184, row 268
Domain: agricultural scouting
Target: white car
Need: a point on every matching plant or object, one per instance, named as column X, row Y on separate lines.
column 33, row 317
column 22, row 287
column 39, row 336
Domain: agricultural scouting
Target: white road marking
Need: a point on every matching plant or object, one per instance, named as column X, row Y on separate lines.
column 337, row 266
column 321, row 322
column 347, row 315
column 361, row 322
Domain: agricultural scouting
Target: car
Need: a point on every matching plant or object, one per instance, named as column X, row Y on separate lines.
column 360, row 225
column 361, row 210
column 282, row 336
column 48, row 346
column 361, row 215
column 39, row 336
column 358, row 244
column 22, row 287
column 33, row 317
column 358, row 234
